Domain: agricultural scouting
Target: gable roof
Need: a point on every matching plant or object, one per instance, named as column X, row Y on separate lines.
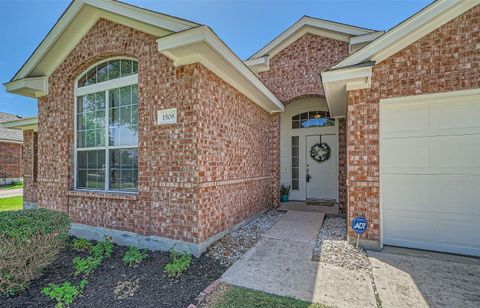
column 79, row 17
column 355, row 71
column 308, row 24
column 6, row 134
column 409, row 31
column 183, row 41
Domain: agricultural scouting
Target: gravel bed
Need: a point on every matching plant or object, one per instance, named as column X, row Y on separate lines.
column 333, row 248
column 232, row 247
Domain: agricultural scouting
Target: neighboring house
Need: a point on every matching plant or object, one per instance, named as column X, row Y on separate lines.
column 151, row 129
column 10, row 151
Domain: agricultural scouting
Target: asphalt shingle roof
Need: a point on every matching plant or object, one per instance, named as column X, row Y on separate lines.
column 7, row 133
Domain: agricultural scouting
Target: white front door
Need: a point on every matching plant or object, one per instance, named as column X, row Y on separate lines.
column 321, row 176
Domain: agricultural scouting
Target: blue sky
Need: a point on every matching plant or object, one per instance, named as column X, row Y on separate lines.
column 245, row 26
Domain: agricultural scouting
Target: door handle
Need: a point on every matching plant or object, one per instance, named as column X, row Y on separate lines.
column 308, row 177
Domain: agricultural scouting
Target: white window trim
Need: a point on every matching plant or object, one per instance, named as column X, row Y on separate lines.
column 94, row 88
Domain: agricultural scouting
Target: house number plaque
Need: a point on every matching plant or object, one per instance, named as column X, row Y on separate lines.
column 167, row 116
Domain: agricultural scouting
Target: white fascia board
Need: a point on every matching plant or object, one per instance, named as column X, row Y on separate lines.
column 315, row 23
column 30, row 123
column 336, row 84
column 150, row 17
column 32, row 87
column 257, row 65
column 202, row 45
column 10, row 141
column 409, row 31
column 354, row 40
column 142, row 15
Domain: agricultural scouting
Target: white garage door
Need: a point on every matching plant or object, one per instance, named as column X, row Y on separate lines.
column 430, row 172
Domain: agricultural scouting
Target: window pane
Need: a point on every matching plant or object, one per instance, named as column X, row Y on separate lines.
column 114, row 97
column 124, row 169
column 91, row 169
column 113, row 69
column 82, row 81
column 126, row 96
column 80, row 139
column 295, row 185
column 135, row 67
column 126, row 67
column 92, row 76
column 102, row 72
column 295, row 162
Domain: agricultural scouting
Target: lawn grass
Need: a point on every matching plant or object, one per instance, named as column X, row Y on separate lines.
column 236, row 297
column 11, row 203
column 11, row 186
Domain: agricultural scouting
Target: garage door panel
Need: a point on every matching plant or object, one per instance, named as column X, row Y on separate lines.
column 453, row 194
column 405, row 192
column 457, row 230
column 430, row 172
column 401, row 226
column 401, row 121
column 461, row 117
column 455, row 154
column 397, row 155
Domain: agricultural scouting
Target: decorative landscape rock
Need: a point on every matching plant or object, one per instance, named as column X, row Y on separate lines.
column 333, row 248
column 232, row 247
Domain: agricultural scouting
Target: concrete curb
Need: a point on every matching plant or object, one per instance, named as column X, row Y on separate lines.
column 199, row 299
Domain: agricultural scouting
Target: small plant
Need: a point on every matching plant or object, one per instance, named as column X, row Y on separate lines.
column 65, row 293
column 178, row 264
column 85, row 266
column 284, row 190
column 107, row 248
column 134, row 256
column 81, row 244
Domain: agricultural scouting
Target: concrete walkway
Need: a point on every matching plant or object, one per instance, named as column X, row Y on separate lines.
column 7, row 193
column 281, row 263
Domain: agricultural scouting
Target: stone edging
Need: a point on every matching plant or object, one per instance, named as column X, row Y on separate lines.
column 199, row 299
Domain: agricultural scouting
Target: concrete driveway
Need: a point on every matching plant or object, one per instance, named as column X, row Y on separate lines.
column 414, row 278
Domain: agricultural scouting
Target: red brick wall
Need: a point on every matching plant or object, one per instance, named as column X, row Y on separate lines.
column 30, row 165
column 447, row 59
column 237, row 155
column 295, row 71
column 169, row 201
column 10, row 160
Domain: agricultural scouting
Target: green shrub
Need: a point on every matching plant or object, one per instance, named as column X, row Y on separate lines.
column 107, row 248
column 81, row 244
column 65, row 293
column 178, row 264
column 29, row 241
column 134, row 256
column 85, row 266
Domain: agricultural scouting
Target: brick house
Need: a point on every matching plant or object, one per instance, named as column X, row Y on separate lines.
column 381, row 122
column 10, row 151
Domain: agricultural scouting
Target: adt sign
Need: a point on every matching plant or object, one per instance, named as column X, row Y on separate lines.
column 359, row 224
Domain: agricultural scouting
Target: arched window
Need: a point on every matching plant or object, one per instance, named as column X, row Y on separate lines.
column 106, row 127
column 312, row 119
column 108, row 70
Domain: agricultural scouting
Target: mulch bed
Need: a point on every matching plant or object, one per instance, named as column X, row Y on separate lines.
column 143, row 286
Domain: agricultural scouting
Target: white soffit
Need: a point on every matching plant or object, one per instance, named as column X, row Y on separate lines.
column 312, row 25
column 337, row 83
column 409, row 31
column 30, row 123
column 202, row 45
column 78, row 19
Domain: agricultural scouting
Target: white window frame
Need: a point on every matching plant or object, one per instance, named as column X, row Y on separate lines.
column 94, row 88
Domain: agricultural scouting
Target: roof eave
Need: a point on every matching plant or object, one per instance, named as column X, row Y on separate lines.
column 337, row 83
column 202, row 45
column 30, row 123
column 31, row 87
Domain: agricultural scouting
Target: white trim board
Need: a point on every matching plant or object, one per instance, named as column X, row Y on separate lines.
column 331, row 28
column 81, row 15
column 425, row 21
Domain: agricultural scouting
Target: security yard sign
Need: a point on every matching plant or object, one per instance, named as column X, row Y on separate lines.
column 167, row 116
column 359, row 225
